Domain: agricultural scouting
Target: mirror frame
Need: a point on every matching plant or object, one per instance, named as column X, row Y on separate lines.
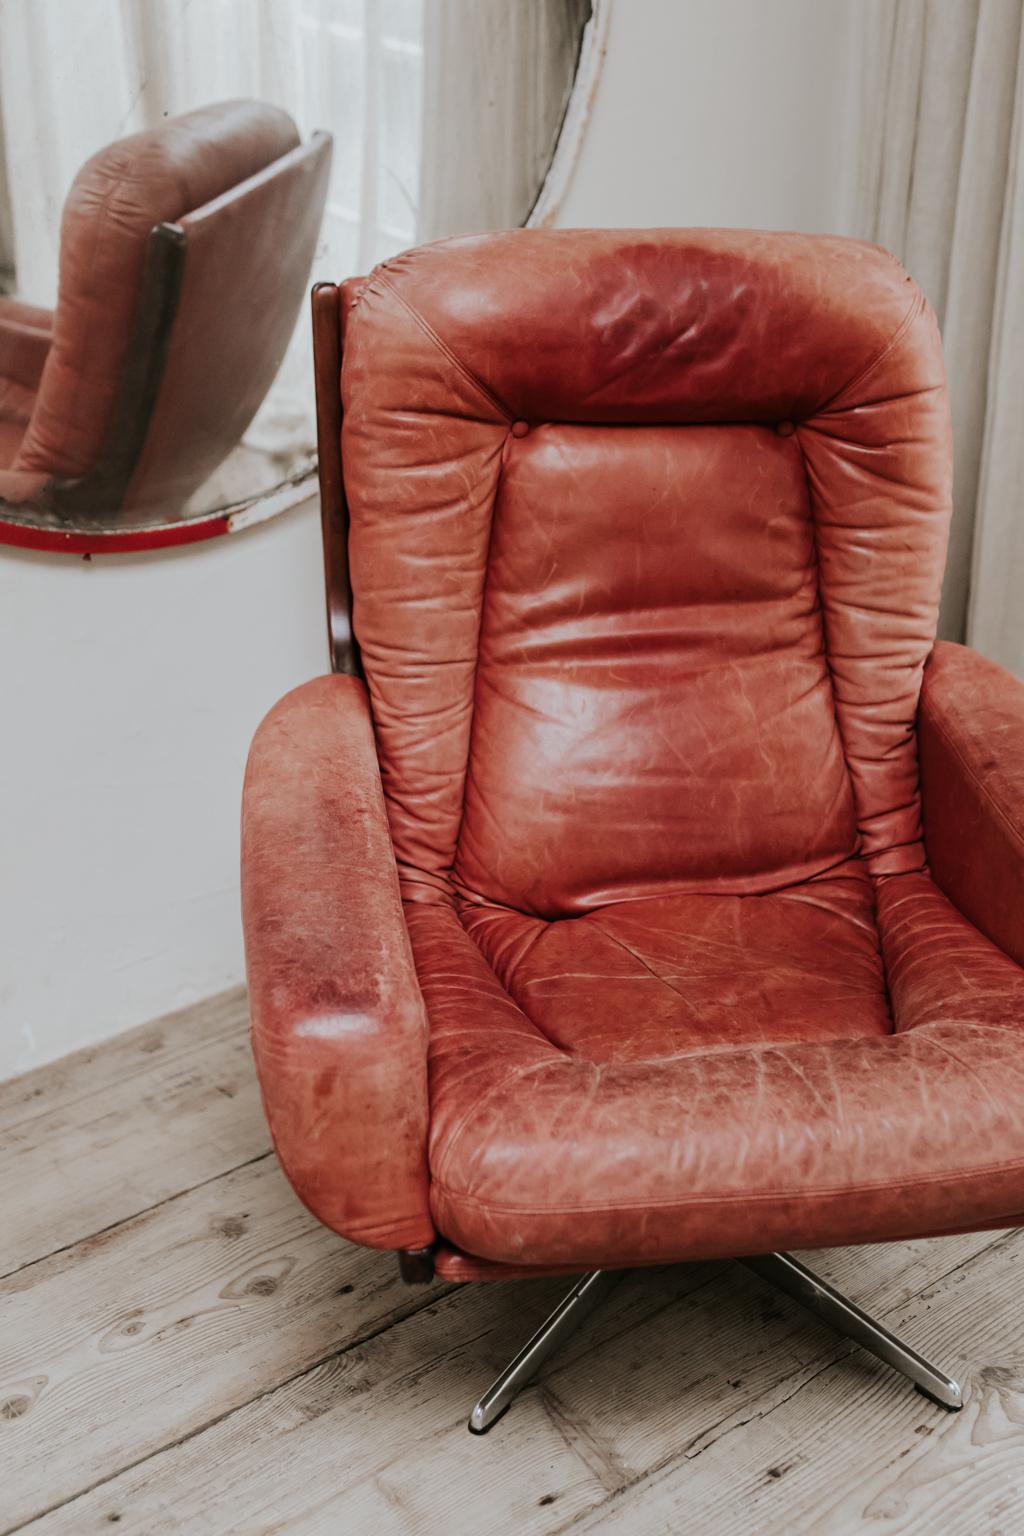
column 162, row 275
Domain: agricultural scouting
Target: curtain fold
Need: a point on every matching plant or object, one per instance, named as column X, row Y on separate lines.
column 944, row 190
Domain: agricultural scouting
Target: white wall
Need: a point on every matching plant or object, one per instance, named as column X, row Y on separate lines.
column 131, row 688
column 132, row 685
column 724, row 112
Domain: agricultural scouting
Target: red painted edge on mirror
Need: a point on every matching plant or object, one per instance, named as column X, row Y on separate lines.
column 124, row 541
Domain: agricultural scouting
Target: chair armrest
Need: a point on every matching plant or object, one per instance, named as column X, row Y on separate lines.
column 971, row 742
column 338, row 1023
column 25, row 336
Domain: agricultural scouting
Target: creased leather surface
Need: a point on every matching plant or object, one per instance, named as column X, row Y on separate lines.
column 11, row 433
column 657, row 978
column 339, row 1032
column 542, row 1155
column 621, row 558
column 647, row 531
column 513, row 575
column 972, row 769
column 940, row 969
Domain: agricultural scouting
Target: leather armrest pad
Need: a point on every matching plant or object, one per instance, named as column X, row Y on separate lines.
column 339, row 1026
column 971, row 742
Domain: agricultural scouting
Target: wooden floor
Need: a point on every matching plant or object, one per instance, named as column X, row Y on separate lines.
column 182, row 1348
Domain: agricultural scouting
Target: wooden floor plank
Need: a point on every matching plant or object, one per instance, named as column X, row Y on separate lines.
column 184, row 1350
column 854, row 1451
column 126, row 1342
column 100, row 1136
column 675, row 1360
column 377, row 1440
column 745, row 1348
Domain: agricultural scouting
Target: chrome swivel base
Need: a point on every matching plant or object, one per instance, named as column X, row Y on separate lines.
column 789, row 1275
column 782, row 1270
column 585, row 1295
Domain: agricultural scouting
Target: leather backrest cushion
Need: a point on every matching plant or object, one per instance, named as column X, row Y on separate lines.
column 647, row 537
column 651, row 686
column 115, row 200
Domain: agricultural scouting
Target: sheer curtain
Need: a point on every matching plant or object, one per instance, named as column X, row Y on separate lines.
column 76, row 74
column 944, row 189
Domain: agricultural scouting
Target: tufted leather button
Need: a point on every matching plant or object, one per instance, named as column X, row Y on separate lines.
column 785, row 429
column 520, row 428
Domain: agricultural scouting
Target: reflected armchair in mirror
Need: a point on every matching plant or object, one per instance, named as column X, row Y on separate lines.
column 185, row 254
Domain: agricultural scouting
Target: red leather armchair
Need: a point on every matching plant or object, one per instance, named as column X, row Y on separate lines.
column 185, row 253
column 592, row 920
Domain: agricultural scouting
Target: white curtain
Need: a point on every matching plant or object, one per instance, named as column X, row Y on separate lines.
column 76, row 74
column 944, row 189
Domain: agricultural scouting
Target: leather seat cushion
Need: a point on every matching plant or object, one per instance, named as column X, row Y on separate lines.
column 645, row 980
column 693, row 1077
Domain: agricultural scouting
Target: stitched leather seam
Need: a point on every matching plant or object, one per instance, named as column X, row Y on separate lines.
column 916, row 308
column 746, row 1197
column 941, row 729
column 456, row 361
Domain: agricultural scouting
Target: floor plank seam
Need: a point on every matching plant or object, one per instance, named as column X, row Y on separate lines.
column 597, row 1457
column 278, row 1386
column 67, row 1063
column 699, row 1443
column 839, row 1353
column 621, row 1493
column 675, row 1459
column 616, row 1461
column 146, row 1210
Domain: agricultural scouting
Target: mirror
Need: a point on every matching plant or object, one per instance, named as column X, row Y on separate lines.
column 173, row 178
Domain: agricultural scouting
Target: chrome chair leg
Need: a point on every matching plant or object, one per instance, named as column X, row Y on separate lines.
column 564, row 1320
column 789, row 1275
